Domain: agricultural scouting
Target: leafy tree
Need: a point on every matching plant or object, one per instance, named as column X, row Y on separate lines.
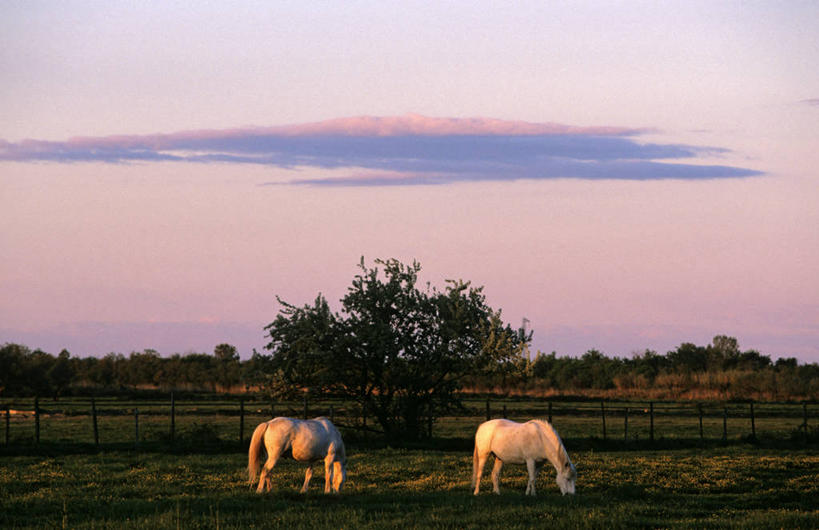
column 648, row 364
column 543, row 366
column 400, row 351
column 753, row 360
column 227, row 361
column 199, row 370
column 723, row 353
column 12, row 367
column 786, row 363
column 226, row 352
column 36, row 368
column 144, row 368
column 689, row 357
column 61, row 373
column 109, row 371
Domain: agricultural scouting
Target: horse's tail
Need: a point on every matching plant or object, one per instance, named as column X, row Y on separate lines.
column 255, row 451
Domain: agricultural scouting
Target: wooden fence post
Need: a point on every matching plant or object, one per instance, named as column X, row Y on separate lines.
column 753, row 423
column 625, row 426
column 699, row 411
column 725, row 424
column 305, row 406
column 241, row 420
column 805, row 418
column 332, row 414
column 8, row 419
column 94, row 422
column 272, row 409
column 37, row 420
column 651, row 421
column 488, row 414
column 173, row 417
column 504, row 411
column 550, row 412
column 603, row 415
column 136, row 427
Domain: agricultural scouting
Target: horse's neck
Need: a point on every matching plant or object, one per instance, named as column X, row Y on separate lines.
column 561, row 456
column 555, row 452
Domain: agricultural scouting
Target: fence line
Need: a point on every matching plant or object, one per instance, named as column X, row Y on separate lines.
column 577, row 417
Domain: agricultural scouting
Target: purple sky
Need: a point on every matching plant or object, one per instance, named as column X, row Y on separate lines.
column 624, row 176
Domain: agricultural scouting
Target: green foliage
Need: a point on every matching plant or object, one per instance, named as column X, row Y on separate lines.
column 12, row 367
column 400, row 351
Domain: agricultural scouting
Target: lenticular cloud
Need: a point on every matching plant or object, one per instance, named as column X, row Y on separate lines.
column 406, row 150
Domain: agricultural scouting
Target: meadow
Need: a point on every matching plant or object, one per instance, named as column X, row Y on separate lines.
column 731, row 487
column 199, row 479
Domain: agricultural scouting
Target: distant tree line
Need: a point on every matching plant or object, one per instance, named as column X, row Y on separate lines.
column 27, row 372
column 716, row 371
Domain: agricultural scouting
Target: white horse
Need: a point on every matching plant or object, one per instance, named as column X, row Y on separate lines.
column 529, row 443
column 308, row 441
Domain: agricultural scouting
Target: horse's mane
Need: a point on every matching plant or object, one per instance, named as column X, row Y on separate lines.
column 554, row 438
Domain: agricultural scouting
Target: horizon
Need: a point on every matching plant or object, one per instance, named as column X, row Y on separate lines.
column 624, row 177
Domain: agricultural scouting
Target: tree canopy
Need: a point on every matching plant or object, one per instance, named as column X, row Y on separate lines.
column 400, row 351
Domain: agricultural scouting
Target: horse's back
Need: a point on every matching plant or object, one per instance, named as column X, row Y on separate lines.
column 308, row 440
column 489, row 430
column 508, row 440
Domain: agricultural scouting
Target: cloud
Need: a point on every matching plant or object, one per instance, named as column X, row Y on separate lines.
column 405, row 150
column 812, row 101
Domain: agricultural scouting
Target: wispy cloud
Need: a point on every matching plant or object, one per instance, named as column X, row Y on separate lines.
column 812, row 101
column 405, row 150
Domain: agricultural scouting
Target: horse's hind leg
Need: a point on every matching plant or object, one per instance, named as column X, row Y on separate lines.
column 307, row 476
column 267, row 469
column 496, row 471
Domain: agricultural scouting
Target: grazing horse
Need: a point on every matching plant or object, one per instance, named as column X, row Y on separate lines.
column 529, row 443
column 308, row 441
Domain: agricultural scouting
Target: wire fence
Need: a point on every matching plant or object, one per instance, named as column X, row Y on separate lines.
column 116, row 422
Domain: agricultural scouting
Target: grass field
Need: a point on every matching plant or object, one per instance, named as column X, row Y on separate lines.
column 680, row 481
column 731, row 487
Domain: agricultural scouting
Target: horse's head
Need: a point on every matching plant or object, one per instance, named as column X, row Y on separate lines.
column 566, row 478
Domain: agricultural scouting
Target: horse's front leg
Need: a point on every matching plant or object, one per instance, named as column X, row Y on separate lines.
column 339, row 476
column 477, row 473
column 328, row 474
column 496, row 471
column 531, row 466
column 307, row 476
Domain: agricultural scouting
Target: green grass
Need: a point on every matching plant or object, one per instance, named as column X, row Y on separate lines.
column 199, row 481
column 733, row 487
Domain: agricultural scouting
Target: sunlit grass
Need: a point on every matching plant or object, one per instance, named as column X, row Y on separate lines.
column 737, row 487
column 198, row 480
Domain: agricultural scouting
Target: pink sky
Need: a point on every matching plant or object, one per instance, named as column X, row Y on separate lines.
column 163, row 177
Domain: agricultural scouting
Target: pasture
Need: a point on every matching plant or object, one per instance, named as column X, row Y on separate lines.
column 199, row 480
column 731, row 487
